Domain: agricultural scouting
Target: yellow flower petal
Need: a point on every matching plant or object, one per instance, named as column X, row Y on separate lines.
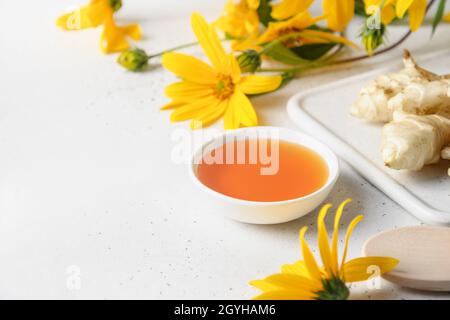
column 287, row 8
column 172, row 105
column 208, row 116
column 286, row 295
column 334, row 243
column 329, row 37
column 189, row 68
column 230, row 118
column 322, row 239
column 209, row 41
column 89, row 16
column 338, row 13
column 298, row 22
column 253, row 4
column 417, row 13
column 234, row 69
column 361, row 269
column 239, row 20
column 187, row 91
column 308, row 257
column 263, row 285
column 250, row 43
column 387, row 12
column 191, row 110
column 242, row 111
column 254, row 84
column 403, row 6
column 298, row 268
column 114, row 38
column 287, row 282
column 350, row 228
column 447, row 17
column 133, row 31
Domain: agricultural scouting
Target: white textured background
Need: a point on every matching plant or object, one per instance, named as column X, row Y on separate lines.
column 86, row 177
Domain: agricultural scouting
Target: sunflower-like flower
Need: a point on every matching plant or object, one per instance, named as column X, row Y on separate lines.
column 298, row 26
column 205, row 92
column 305, row 280
column 416, row 11
column 101, row 12
column 338, row 13
column 241, row 22
column 288, row 8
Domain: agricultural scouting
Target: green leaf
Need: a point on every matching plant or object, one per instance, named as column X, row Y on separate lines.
column 439, row 15
column 313, row 51
column 279, row 52
column 265, row 12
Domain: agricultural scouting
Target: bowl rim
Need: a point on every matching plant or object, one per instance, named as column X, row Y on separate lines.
column 330, row 159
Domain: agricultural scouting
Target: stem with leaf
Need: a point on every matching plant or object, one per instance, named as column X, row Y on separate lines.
column 319, row 64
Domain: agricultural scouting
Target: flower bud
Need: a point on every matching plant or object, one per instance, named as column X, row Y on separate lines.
column 133, row 59
column 249, row 61
column 372, row 37
column 115, row 4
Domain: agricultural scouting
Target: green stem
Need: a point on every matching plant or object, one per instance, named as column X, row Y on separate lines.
column 186, row 45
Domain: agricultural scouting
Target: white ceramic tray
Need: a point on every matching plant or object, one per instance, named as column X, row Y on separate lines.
column 324, row 113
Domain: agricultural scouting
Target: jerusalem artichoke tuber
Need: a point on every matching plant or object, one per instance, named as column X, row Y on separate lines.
column 413, row 141
column 413, row 90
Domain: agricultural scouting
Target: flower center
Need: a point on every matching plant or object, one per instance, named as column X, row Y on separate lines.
column 224, row 87
column 333, row 289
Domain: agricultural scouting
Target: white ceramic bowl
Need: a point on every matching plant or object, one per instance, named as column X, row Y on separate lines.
column 267, row 212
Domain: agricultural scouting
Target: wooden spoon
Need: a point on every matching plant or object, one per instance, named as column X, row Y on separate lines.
column 424, row 254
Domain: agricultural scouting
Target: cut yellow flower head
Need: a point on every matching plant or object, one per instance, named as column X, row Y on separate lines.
column 101, row 12
column 206, row 93
column 288, row 8
column 305, row 280
column 338, row 13
column 241, row 21
column 416, row 11
column 297, row 26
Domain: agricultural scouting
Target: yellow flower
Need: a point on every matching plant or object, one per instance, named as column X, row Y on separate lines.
column 101, row 12
column 241, row 21
column 339, row 13
column 447, row 17
column 288, row 8
column 89, row 16
column 416, row 11
column 387, row 13
column 205, row 93
column 305, row 280
column 298, row 25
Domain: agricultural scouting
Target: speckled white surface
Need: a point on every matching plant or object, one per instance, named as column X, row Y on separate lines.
column 87, row 183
